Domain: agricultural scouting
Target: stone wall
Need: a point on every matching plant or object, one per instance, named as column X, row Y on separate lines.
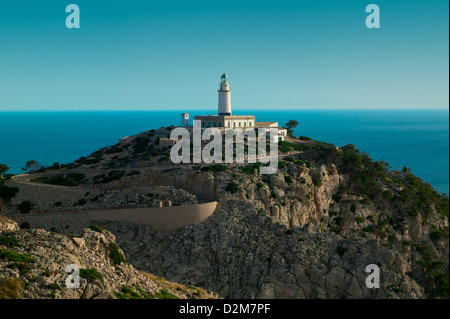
column 165, row 219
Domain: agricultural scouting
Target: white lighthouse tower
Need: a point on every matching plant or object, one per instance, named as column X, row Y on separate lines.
column 224, row 96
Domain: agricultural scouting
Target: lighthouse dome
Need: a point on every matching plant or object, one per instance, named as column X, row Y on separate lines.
column 224, row 76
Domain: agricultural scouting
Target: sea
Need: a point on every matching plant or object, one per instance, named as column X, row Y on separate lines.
column 415, row 138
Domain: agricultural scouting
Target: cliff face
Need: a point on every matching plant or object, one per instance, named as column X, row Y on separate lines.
column 308, row 231
column 33, row 266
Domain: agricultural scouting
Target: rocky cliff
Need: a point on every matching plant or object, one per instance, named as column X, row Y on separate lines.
column 33, row 266
column 308, row 231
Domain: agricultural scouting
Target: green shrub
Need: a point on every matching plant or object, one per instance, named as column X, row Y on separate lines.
column 86, row 161
column 75, row 178
column 6, row 193
column 112, row 176
column 396, row 289
column 387, row 194
column 215, row 168
column 25, row 225
column 341, row 250
column 413, row 212
column 96, row 228
column 369, row 229
column 288, row 179
column 331, row 213
column 10, row 255
column 164, row 294
column 129, row 293
column 360, row 219
column 91, row 274
column 338, row 220
column 232, row 187
column 438, row 234
column 382, row 223
column 248, row 169
column 437, row 278
column 57, row 204
column 134, row 172
column 9, row 242
column 21, row 267
column 54, row 286
column 260, row 185
column 114, row 150
column 116, row 256
column 336, row 197
column 81, row 202
column 143, row 293
column 25, row 207
column 317, row 181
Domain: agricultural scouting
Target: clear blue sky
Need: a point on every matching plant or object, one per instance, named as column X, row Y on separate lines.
column 159, row 55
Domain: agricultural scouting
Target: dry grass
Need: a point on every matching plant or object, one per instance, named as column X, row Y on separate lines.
column 173, row 285
column 5, row 220
column 10, row 288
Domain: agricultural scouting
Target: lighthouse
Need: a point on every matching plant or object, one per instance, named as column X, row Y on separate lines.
column 224, row 96
column 225, row 120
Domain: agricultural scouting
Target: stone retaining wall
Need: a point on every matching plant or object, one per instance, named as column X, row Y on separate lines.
column 166, row 219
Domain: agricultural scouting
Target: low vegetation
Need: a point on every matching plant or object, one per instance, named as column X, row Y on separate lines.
column 110, row 177
column 96, row 228
column 9, row 242
column 214, row 168
column 91, row 274
column 164, row 294
column 25, row 207
column 232, row 187
column 10, row 288
column 130, row 293
column 116, row 256
column 10, row 255
column 73, row 179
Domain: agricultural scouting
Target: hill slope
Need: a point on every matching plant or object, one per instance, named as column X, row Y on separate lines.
column 308, row 231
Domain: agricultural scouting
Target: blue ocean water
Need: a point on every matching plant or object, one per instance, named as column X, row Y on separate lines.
column 418, row 139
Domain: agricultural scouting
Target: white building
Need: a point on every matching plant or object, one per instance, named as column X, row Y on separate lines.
column 224, row 117
column 185, row 119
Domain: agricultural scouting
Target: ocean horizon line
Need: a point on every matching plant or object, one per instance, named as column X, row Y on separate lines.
column 243, row 109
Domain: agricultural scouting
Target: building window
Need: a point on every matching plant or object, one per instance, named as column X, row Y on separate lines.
column 228, row 124
column 245, row 124
column 250, row 124
column 234, row 124
column 239, row 124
